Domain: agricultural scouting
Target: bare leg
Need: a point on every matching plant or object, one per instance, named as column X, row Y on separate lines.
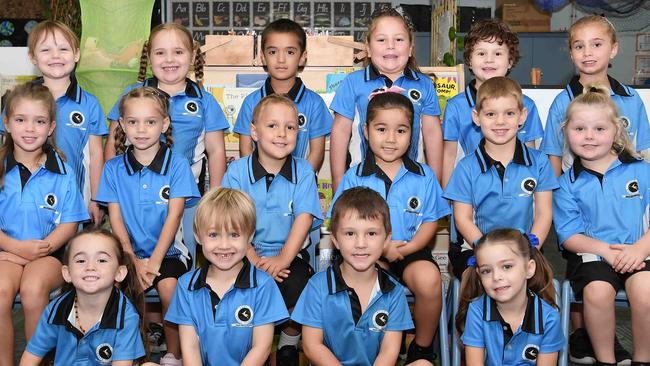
column 423, row 279
column 600, row 319
column 10, row 274
column 40, row 277
column 165, row 290
column 638, row 288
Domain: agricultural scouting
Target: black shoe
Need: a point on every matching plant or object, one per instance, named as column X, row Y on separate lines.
column 634, row 363
column 287, row 356
column 417, row 352
column 580, row 350
column 156, row 338
column 402, row 347
column 623, row 357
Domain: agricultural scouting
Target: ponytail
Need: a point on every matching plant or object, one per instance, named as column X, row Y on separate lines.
column 470, row 290
column 199, row 61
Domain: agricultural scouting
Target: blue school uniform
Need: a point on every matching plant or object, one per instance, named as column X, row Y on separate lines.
column 630, row 106
column 458, row 125
column 351, row 101
column 414, row 196
column 194, row 112
column 32, row 205
column 501, row 196
column 353, row 337
column 540, row 332
column 314, row 119
column 78, row 116
column 143, row 193
column 225, row 325
column 116, row 337
column 610, row 207
column 278, row 199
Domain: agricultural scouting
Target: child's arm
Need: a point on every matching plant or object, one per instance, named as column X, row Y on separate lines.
column 433, row 146
column 29, row 359
column 122, row 363
column 389, row 349
column 339, row 141
column 215, row 148
column 190, row 345
column 580, row 243
column 556, row 163
column 316, row 153
column 109, row 149
column 450, row 150
column 421, row 239
column 474, row 356
column 119, row 229
column 547, row 359
column 632, row 257
column 245, row 145
column 261, row 348
column 28, row 249
column 464, row 219
column 297, row 235
column 175, row 209
column 543, row 215
column 95, row 166
column 315, row 349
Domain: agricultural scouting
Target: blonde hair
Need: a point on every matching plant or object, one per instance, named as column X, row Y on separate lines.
column 162, row 105
column 597, row 95
column 388, row 12
column 225, row 208
column 499, row 87
column 192, row 47
column 592, row 20
column 49, row 27
column 272, row 100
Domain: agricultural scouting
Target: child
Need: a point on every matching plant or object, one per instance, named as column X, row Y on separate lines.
column 592, row 45
column 284, row 44
column 415, row 199
column 507, row 313
column 145, row 189
column 40, row 209
column 81, row 124
column 491, row 49
column 504, row 183
column 283, row 189
column 601, row 220
column 354, row 312
column 389, row 42
column 93, row 322
column 226, row 310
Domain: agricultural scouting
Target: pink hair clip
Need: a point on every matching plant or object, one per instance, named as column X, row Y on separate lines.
column 382, row 90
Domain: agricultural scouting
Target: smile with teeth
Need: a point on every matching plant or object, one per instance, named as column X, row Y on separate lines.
column 29, row 140
column 90, row 278
column 502, row 288
column 500, row 131
column 224, row 256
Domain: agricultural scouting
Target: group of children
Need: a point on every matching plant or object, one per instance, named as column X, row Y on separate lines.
column 165, row 150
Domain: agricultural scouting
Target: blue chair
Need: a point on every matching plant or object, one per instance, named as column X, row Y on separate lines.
column 568, row 298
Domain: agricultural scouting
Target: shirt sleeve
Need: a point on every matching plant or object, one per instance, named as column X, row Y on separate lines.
column 213, row 116
column 566, row 212
column 347, row 182
column 97, row 118
column 553, row 141
column 230, row 177
column 399, row 315
column 451, row 122
column 643, row 130
column 533, row 124
column 344, row 99
column 431, row 105
column 473, row 334
column 245, row 116
column 305, row 198
column 553, row 340
column 309, row 308
column 436, row 206
column 107, row 190
column 270, row 304
column 546, row 179
column 321, row 118
column 182, row 180
column 459, row 187
column 45, row 337
column 179, row 311
column 128, row 343
column 73, row 207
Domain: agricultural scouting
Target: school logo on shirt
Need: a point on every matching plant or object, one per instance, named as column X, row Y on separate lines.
column 302, row 121
column 191, row 107
column 163, row 194
column 528, row 186
column 413, row 204
column 530, row 352
column 50, row 200
column 414, row 95
column 244, row 316
column 379, row 320
column 76, row 119
column 104, row 353
column 632, row 188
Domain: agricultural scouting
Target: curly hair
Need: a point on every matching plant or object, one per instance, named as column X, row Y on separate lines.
column 492, row 30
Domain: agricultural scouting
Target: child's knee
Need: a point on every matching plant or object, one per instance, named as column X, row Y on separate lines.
column 598, row 293
column 33, row 295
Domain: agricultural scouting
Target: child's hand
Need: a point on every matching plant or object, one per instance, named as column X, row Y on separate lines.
column 11, row 257
column 96, row 213
column 141, row 268
column 610, row 254
column 391, row 251
column 274, row 265
column 34, row 249
column 630, row 258
column 153, row 270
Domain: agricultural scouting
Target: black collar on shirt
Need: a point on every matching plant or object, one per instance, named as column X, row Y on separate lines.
column 470, row 93
column 112, row 318
column 246, row 278
column 53, row 161
column 191, row 88
column 578, row 168
column 159, row 164
column 617, row 87
column 259, row 172
column 369, row 167
column 533, row 322
column 371, row 73
column 485, row 161
column 73, row 92
column 295, row 93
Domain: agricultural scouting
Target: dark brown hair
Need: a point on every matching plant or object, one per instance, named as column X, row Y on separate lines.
column 285, row 26
column 541, row 283
column 389, row 100
column 383, row 12
column 492, row 30
column 367, row 204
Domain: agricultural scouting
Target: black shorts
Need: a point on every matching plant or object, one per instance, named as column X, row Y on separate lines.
column 458, row 260
column 397, row 267
column 583, row 273
column 170, row 268
column 291, row 287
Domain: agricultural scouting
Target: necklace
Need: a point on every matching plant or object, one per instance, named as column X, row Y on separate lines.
column 76, row 316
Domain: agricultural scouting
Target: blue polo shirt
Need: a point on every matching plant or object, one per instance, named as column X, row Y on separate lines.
column 32, row 205
column 314, row 119
column 458, row 125
column 225, row 325
column 116, row 337
column 501, row 196
column 610, row 207
column 353, row 337
column 279, row 199
column 78, row 116
column 351, row 101
column 630, row 106
column 194, row 112
column 540, row 332
column 143, row 193
column 414, row 196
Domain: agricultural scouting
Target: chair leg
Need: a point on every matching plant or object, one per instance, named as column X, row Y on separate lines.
column 455, row 342
column 443, row 333
column 565, row 311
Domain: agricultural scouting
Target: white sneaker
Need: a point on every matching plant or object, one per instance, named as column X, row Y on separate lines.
column 170, row 360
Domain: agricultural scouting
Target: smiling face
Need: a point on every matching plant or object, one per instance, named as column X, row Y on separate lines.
column 489, row 59
column 389, row 135
column 389, row 46
column 503, row 273
column 499, row 119
column 29, row 125
column 591, row 133
column 361, row 241
column 282, row 55
column 143, row 123
column 170, row 54
column 54, row 56
column 592, row 48
column 275, row 132
column 224, row 247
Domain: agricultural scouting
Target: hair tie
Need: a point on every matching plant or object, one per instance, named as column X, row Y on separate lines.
column 533, row 239
column 471, row 261
column 593, row 89
column 382, row 90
